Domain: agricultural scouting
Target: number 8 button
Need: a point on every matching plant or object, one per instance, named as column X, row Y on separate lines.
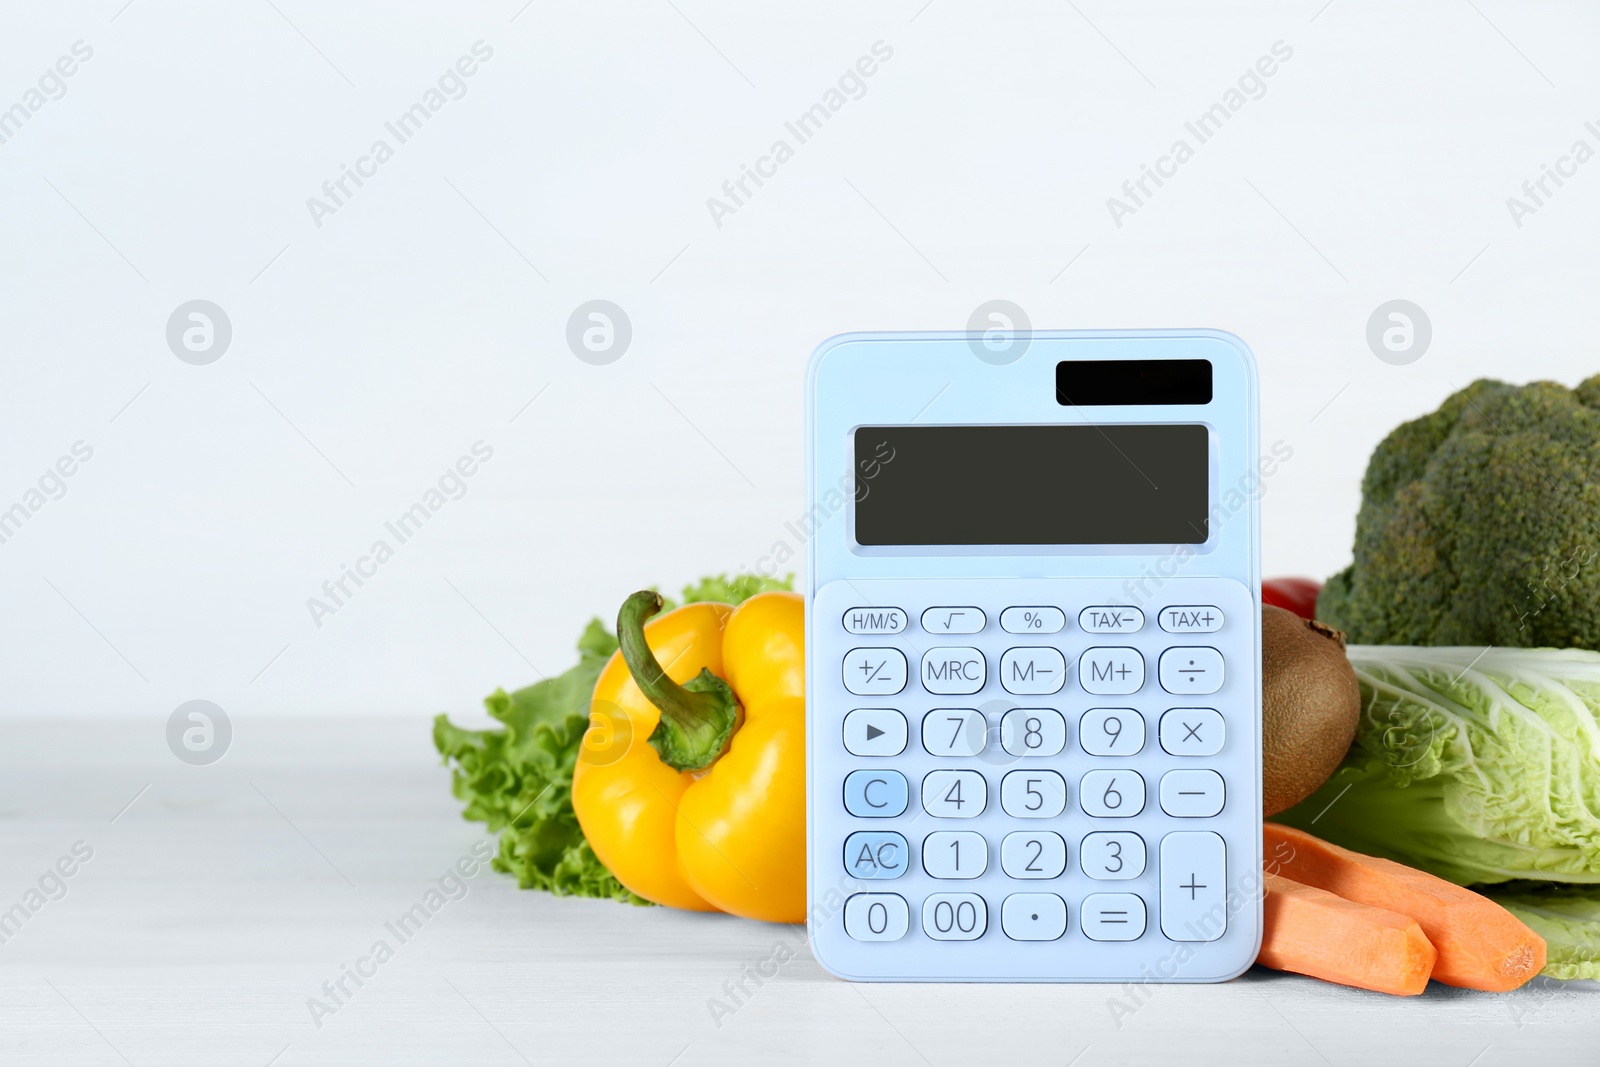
column 1033, row 732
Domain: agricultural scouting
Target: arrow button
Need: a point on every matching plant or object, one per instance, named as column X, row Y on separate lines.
column 875, row 732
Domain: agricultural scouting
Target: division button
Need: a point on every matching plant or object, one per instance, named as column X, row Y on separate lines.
column 877, row 917
column 875, row 621
column 875, row 732
column 1033, row 916
column 875, row 671
column 959, row 620
column 1191, row 670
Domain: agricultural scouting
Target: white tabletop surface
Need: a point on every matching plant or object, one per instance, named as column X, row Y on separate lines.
column 218, row 902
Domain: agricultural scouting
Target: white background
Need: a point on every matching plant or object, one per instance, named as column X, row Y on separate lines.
column 369, row 353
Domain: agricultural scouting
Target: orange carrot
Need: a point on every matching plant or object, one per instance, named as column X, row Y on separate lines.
column 1310, row 931
column 1481, row 945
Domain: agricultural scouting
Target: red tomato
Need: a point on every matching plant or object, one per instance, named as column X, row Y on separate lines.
column 1298, row 595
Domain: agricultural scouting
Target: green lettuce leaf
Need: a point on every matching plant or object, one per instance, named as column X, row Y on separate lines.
column 518, row 779
column 1483, row 767
column 1569, row 921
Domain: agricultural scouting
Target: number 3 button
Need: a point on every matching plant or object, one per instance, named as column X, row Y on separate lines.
column 1112, row 856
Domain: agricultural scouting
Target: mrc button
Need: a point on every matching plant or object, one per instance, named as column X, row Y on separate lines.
column 953, row 670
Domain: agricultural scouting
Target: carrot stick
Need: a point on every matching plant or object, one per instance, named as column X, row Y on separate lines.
column 1310, row 931
column 1481, row 945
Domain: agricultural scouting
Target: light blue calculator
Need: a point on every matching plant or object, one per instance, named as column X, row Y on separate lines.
column 1033, row 657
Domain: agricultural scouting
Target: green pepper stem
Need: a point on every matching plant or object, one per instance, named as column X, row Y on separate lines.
column 697, row 719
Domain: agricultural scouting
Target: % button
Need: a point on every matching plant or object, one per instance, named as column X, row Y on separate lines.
column 1035, row 620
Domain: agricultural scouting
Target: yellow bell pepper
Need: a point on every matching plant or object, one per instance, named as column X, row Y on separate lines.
column 690, row 784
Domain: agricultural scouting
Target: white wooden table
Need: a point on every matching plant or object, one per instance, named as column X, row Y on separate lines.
column 219, row 901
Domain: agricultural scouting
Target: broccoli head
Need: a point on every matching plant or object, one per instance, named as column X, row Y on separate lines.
column 1480, row 524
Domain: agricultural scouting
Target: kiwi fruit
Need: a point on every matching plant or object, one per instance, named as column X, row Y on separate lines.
column 1310, row 706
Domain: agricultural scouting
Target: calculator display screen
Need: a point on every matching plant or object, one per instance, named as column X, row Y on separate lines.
column 1032, row 485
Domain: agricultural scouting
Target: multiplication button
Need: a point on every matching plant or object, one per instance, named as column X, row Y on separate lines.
column 875, row 672
column 1192, row 732
column 1033, row 916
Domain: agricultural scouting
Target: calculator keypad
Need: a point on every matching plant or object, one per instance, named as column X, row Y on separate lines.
column 1074, row 800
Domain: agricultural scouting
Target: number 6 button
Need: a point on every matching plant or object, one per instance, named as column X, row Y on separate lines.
column 1111, row 794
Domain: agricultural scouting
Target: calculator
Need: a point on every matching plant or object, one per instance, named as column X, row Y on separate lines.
column 1033, row 656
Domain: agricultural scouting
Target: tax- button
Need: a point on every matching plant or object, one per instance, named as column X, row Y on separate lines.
column 875, row 794
column 1110, row 619
column 876, row 854
column 875, row 732
column 1115, row 671
column 1032, row 671
column 874, row 672
column 1191, row 670
column 952, row 670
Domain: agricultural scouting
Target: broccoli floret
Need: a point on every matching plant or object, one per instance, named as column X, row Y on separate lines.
column 1480, row 524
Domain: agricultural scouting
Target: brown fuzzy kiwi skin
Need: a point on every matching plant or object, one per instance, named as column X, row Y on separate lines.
column 1310, row 707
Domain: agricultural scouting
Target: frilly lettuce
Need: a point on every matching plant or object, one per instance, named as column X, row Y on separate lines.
column 518, row 779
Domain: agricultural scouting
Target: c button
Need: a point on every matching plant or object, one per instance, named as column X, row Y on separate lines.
column 876, row 794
